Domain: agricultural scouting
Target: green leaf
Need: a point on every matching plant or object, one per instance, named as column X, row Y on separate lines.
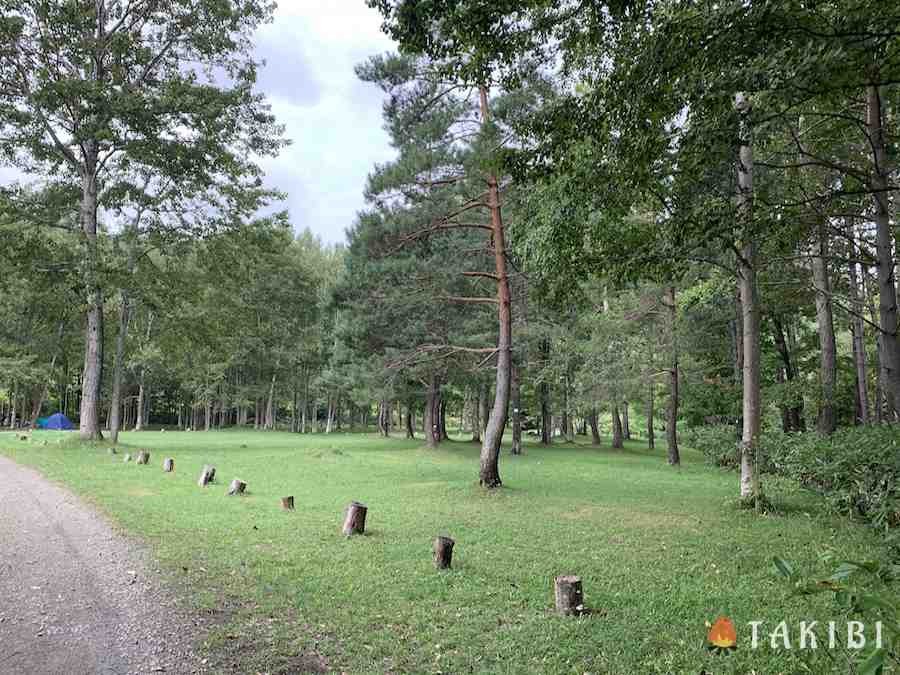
column 783, row 567
column 873, row 663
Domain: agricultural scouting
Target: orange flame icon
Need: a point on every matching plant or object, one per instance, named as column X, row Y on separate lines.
column 722, row 634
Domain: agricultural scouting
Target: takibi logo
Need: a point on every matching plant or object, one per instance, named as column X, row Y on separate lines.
column 722, row 634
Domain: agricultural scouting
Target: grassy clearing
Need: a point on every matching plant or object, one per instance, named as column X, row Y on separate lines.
column 660, row 552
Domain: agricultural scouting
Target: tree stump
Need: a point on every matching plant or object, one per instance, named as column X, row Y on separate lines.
column 207, row 475
column 569, row 598
column 168, row 465
column 355, row 522
column 143, row 457
column 443, row 552
column 237, row 487
column 127, row 457
column 287, row 503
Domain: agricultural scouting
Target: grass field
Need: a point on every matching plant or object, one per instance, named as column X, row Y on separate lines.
column 660, row 551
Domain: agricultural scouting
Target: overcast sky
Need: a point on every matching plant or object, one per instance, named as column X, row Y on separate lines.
column 332, row 119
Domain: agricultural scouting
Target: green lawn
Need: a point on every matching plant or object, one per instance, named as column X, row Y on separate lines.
column 660, row 552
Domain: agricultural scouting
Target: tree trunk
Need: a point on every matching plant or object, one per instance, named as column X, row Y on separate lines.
column 884, row 242
column 92, row 376
column 355, row 521
column 432, row 411
column 442, row 420
column 826, row 422
column 595, row 431
column 794, row 413
column 139, row 425
column 626, row 425
column 651, row 435
column 568, row 421
column 270, row 404
column 546, row 416
column 617, row 440
column 857, row 330
column 207, row 475
column 482, row 408
column 236, row 488
column 515, row 394
column 410, row 424
column 569, row 596
column 752, row 403
column 674, row 456
column 489, row 472
column 443, row 552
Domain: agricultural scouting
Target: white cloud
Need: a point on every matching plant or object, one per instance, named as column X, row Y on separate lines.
column 332, row 119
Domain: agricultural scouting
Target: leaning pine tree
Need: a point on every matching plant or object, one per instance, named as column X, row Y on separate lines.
column 445, row 182
column 103, row 95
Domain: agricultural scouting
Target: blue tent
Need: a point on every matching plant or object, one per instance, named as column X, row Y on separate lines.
column 58, row 421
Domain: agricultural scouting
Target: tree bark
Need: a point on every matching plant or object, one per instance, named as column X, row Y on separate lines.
column 569, row 596
column 857, row 329
column 432, row 411
column 270, row 404
column 626, row 425
column 483, row 412
column 476, row 416
column 568, row 418
column 355, row 521
column 674, row 456
column 139, row 424
column 516, row 403
column 651, row 435
column 546, row 416
column 92, row 375
column 443, row 552
column 617, row 440
column 595, row 431
column 884, row 242
column 237, row 487
column 752, row 403
column 826, row 422
column 489, row 472
column 442, row 420
column 410, row 424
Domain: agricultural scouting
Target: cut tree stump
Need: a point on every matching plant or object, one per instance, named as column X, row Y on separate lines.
column 443, row 552
column 569, row 598
column 168, row 465
column 237, row 487
column 355, row 522
column 127, row 457
column 208, row 475
column 143, row 457
column 287, row 503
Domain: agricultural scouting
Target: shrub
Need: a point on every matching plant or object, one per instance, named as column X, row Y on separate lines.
column 719, row 443
column 856, row 469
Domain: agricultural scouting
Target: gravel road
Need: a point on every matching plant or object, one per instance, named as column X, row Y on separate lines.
column 76, row 597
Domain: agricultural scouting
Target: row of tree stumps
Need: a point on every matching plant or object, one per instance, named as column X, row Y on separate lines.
column 568, row 589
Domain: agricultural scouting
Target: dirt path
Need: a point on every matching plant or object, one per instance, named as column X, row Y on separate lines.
column 75, row 596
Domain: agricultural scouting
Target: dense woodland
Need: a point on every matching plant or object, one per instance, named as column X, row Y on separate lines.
column 666, row 220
